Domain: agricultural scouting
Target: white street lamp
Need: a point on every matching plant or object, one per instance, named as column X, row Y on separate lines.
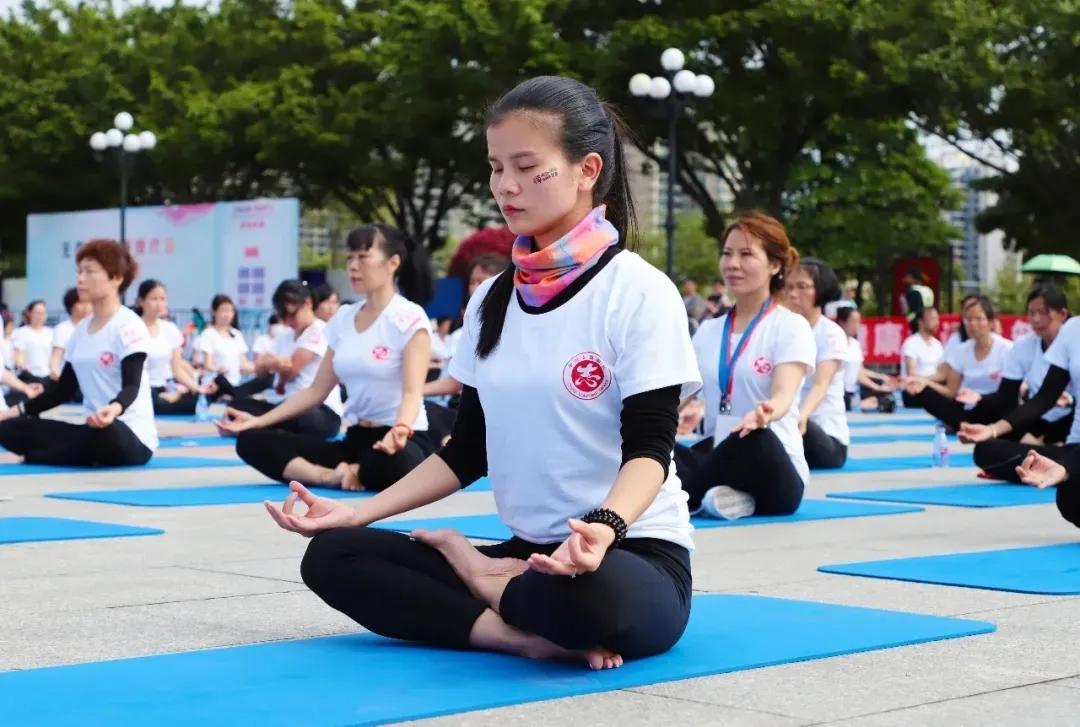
column 676, row 89
column 672, row 60
column 126, row 143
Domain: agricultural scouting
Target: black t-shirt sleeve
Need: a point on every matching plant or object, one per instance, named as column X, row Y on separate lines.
column 131, row 373
column 648, row 425
column 466, row 452
column 1052, row 387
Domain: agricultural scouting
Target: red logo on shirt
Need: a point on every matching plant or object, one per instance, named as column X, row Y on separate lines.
column 995, row 375
column 107, row 359
column 586, row 377
column 380, row 353
column 763, row 365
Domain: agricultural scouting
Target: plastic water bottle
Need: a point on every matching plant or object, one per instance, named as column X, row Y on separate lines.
column 941, row 447
column 202, row 407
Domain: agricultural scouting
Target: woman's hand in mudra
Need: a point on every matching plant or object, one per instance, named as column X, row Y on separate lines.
column 393, row 441
column 322, row 512
column 582, row 552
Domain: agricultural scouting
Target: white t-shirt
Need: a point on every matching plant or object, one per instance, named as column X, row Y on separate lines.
column 370, row 364
column 853, row 364
column 36, row 346
column 553, row 391
column 830, row 414
column 312, row 338
column 159, row 352
column 226, row 350
column 8, row 352
column 1064, row 353
column 952, row 343
column 263, row 343
column 1027, row 362
column 928, row 355
column 980, row 376
column 780, row 337
column 96, row 359
column 62, row 333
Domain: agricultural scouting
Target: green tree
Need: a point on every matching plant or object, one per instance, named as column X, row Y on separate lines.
column 697, row 254
column 866, row 195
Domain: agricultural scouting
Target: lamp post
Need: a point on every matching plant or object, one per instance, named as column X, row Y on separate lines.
column 676, row 89
column 126, row 144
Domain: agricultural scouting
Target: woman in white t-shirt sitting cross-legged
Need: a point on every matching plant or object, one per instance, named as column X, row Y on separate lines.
column 753, row 361
column 379, row 349
column 293, row 361
column 572, row 366
column 822, row 415
column 224, row 349
column 32, row 344
column 105, row 358
column 863, row 388
column 165, row 362
column 922, row 353
column 973, row 370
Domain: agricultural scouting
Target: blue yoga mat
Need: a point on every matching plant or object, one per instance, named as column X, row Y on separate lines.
column 975, row 495
column 489, row 527
column 365, row 679
column 1047, row 569
column 157, row 463
column 213, row 495
column 927, row 437
column 889, row 464
column 212, row 440
column 885, row 421
column 37, row 529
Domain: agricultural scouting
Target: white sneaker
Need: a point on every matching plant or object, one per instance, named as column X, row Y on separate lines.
column 727, row 503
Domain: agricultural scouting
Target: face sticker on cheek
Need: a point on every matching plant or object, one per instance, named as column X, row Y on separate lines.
column 545, row 176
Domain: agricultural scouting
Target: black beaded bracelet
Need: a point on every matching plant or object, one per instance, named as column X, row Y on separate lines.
column 612, row 519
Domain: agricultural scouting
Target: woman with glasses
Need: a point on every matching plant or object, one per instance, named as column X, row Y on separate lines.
column 822, row 414
column 293, row 362
column 973, row 370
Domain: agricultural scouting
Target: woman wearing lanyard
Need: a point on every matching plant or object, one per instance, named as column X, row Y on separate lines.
column 822, row 417
column 753, row 361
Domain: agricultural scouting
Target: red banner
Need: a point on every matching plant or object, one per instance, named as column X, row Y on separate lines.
column 882, row 336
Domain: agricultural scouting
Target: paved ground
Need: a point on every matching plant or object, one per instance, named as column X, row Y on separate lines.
column 226, row 575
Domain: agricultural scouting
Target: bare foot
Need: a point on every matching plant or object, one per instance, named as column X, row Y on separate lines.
column 599, row 658
column 347, row 476
column 485, row 577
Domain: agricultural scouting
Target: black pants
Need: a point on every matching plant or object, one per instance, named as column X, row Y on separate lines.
column 440, row 421
column 241, row 391
column 48, row 441
column 1068, row 492
column 1000, row 457
column 951, row 412
column 184, row 405
column 29, row 378
column 756, row 464
column 322, row 421
column 269, row 450
column 1054, row 432
column 823, row 452
column 637, row 603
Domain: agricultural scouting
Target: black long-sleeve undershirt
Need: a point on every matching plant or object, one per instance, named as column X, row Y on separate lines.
column 131, row 372
column 647, row 424
column 1044, row 400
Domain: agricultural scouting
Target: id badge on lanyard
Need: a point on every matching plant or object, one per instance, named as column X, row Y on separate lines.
column 727, row 363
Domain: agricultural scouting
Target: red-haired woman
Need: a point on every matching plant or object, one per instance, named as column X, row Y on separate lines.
column 753, row 361
column 105, row 358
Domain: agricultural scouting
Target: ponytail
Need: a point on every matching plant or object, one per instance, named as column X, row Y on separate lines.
column 414, row 278
column 619, row 199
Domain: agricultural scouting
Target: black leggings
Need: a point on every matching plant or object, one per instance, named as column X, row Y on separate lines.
column 184, row 405
column 756, row 464
column 636, row 604
column 951, row 412
column 322, row 421
column 242, row 391
column 1000, row 457
column 1068, row 492
column 48, row 441
column 269, row 450
column 823, row 452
